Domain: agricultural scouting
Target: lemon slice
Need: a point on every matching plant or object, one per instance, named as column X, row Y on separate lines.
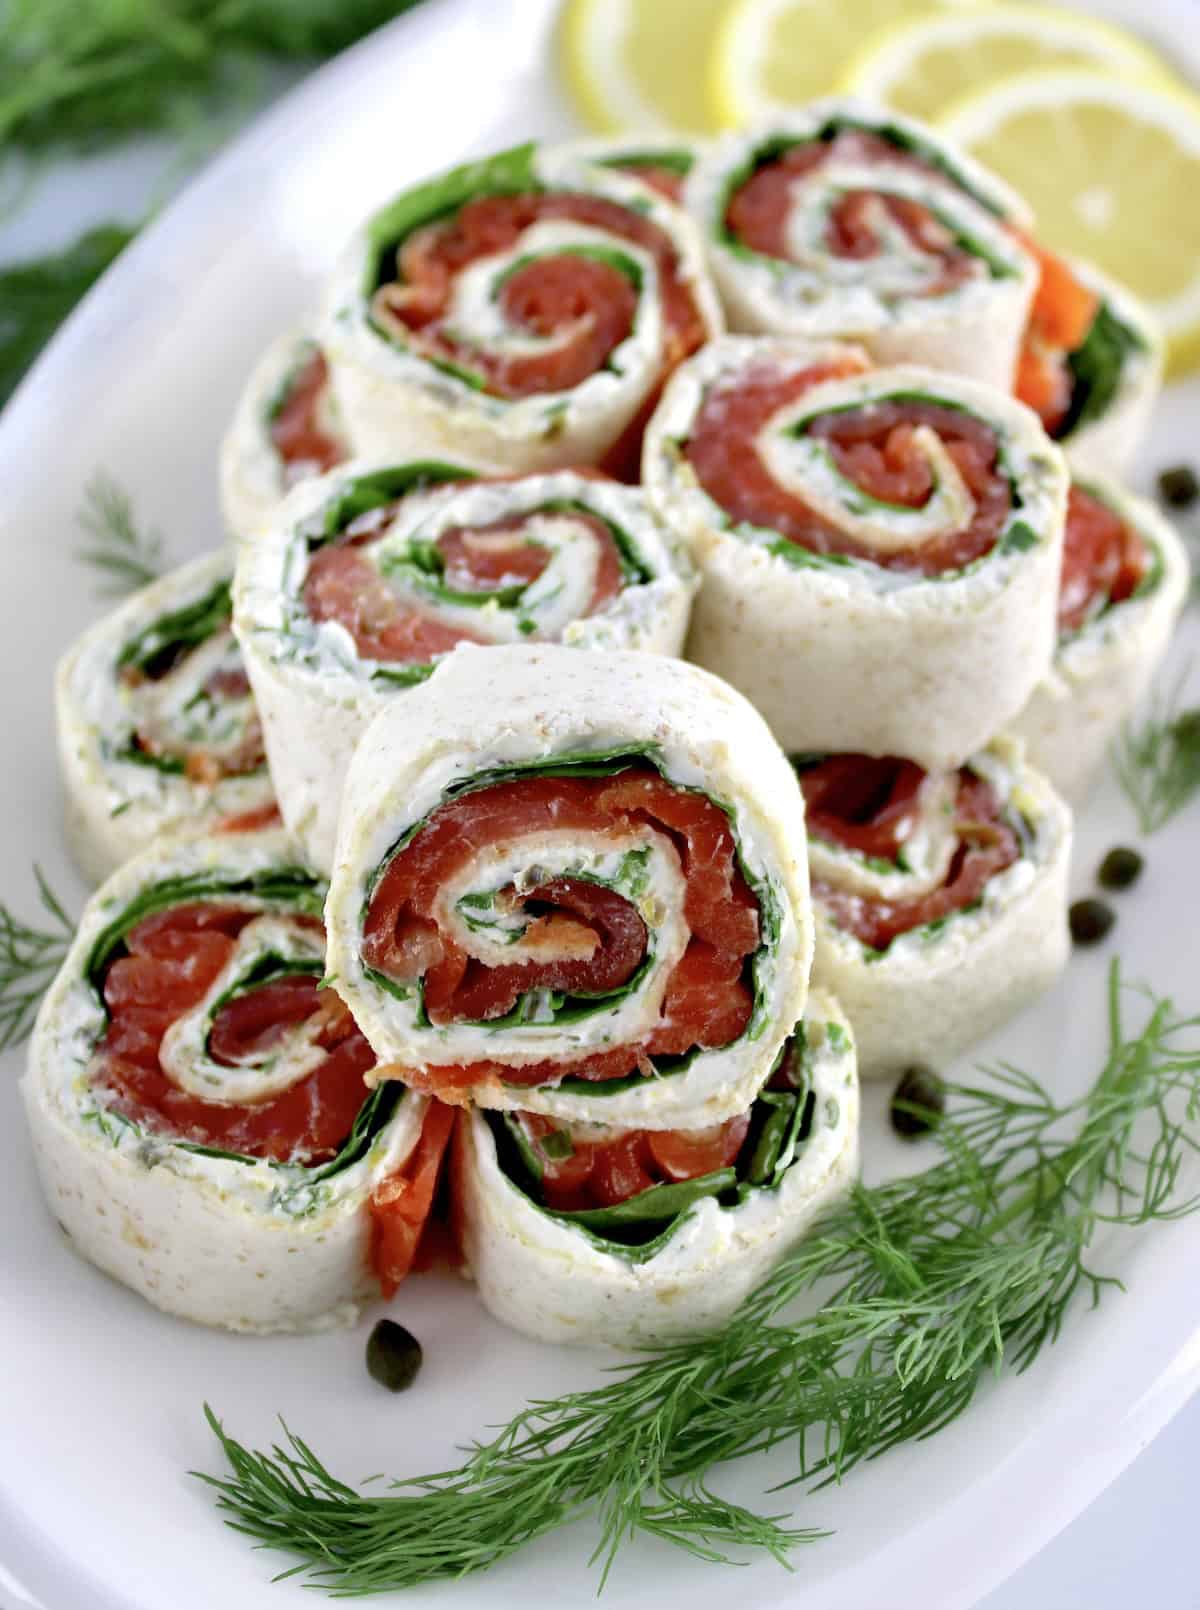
column 1112, row 171
column 774, row 53
column 639, row 64
column 921, row 66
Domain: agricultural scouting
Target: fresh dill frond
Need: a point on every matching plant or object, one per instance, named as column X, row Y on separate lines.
column 37, row 295
column 124, row 556
column 85, row 74
column 80, row 76
column 29, row 959
column 937, row 1280
column 1158, row 762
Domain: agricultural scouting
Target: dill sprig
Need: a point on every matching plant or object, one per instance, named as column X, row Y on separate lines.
column 29, row 959
column 1158, row 762
column 938, row 1279
column 36, row 296
column 84, row 74
column 124, row 556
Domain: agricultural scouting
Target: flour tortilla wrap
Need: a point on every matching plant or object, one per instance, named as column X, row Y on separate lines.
column 898, row 300
column 663, row 161
column 237, row 1241
column 1117, row 378
column 403, row 398
column 157, row 727
column 668, row 1275
column 319, row 686
column 939, row 987
column 286, row 427
column 709, row 918
column 843, row 651
column 1101, row 670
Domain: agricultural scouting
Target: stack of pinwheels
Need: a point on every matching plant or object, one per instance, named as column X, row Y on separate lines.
column 442, row 891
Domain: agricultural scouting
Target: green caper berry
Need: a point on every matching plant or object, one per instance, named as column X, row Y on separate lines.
column 1178, row 486
column 393, row 1356
column 1120, row 868
column 1090, row 921
column 918, row 1087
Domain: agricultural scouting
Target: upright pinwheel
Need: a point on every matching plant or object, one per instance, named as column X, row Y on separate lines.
column 519, row 313
column 198, row 1102
column 371, row 575
column 879, row 548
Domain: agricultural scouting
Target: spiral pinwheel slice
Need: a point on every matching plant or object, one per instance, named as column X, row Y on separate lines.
column 371, row 575
column 517, row 314
column 1124, row 582
column 879, row 549
column 587, row 1233
column 573, row 884
column 198, row 1105
column 1090, row 366
column 846, row 221
column 940, row 898
column 287, row 427
column 157, row 726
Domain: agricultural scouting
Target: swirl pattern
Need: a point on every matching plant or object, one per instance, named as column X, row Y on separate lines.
column 858, row 530
column 852, row 223
column 373, row 575
column 576, row 914
column 941, row 897
column 526, row 309
column 157, row 725
column 191, row 1078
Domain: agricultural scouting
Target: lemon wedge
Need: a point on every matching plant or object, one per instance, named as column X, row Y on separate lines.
column 1112, row 170
column 639, row 64
column 774, row 53
column 922, row 65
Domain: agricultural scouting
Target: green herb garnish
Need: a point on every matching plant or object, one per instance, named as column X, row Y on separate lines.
column 85, row 74
column 168, row 639
column 1158, row 762
column 938, row 1279
column 124, row 556
column 82, row 75
column 1096, row 368
column 29, row 959
column 37, row 294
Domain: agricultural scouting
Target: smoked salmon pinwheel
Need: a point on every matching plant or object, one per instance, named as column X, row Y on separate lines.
column 850, row 222
column 940, row 897
column 581, row 1232
column 575, row 885
column 197, row 1099
column 879, row 549
column 1124, row 582
column 1090, row 366
column 157, row 726
column 519, row 314
column 371, row 575
column 287, row 427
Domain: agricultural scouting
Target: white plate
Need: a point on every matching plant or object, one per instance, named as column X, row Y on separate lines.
column 100, row 1395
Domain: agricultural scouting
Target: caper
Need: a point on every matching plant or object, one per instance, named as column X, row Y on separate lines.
column 918, row 1087
column 1090, row 921
column 393, row 1356
column 1178, row 486
column 1120, row 868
